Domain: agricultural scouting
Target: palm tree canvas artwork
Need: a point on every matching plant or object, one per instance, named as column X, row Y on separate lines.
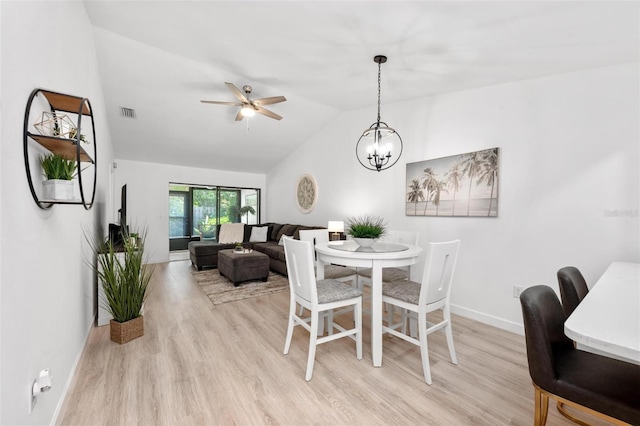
column 459, row 185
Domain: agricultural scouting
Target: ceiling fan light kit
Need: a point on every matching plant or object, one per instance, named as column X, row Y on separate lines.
column 380, row 146
column 247, row 111
column 249, row 107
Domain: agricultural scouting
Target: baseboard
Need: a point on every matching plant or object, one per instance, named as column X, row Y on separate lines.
column 72, row 373
column 488, row 319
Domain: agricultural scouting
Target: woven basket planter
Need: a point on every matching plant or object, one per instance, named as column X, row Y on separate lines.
column 123, row 332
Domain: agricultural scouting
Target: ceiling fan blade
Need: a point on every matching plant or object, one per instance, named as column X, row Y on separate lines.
column 239, row 116
column 268, row 113
column 222, row 103
column 237, row 92
column 269, row 101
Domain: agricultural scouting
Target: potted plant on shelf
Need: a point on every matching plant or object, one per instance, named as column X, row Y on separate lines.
column 366, row 229
column 59, row 172
column 125, row 280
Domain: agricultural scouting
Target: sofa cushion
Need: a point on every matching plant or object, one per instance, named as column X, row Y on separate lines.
column 259, row 234
column 275, row 230
column 275, row 252
column 207, row 248
column 231, row 233
column 262, row 247
column 286, row 230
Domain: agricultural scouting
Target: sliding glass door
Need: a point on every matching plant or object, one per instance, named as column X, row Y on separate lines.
column 178, row 214
column 205, row 217
column 194, row 211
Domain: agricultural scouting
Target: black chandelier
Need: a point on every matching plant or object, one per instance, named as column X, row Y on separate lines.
column 379, row 144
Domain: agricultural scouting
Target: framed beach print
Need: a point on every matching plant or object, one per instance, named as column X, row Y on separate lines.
column 464, row 185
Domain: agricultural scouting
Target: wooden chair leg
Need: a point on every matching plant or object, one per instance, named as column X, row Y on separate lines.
column 541, row 408
column 563, row 411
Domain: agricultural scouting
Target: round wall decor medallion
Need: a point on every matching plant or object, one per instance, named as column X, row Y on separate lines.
column 306, row 193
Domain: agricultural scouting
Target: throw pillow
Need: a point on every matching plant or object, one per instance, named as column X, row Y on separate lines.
column 282, row 238
column 259, row 234
column 231, row 233
column 286, row 230
column 275, row 230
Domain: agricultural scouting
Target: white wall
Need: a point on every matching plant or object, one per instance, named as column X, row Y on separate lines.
column 148, row 196
column 570, row 157
column 48, row 294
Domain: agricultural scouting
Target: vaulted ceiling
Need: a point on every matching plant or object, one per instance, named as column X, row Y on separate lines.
column 162, row 57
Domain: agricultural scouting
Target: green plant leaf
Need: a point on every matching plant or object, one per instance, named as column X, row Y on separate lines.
column 56, row 166
column 125, row 281
column 366, row 226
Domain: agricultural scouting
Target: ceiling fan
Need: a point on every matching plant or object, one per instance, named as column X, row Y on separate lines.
column 250, row 107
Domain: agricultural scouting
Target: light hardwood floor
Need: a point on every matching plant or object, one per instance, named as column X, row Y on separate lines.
column 217, row 365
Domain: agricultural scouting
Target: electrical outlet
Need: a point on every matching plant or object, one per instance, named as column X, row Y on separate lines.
column 517, row 290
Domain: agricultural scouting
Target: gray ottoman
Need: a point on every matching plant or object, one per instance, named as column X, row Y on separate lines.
column 240, row 267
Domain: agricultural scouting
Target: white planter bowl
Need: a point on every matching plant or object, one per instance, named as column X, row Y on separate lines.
column 56, row 189
column 364, row 242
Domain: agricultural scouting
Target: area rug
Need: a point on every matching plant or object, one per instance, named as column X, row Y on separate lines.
column 220, row 290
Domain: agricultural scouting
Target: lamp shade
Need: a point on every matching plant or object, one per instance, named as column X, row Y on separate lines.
column 336, row 226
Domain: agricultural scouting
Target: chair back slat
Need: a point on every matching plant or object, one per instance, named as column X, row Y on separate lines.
column 302, row 281
column 438, row 273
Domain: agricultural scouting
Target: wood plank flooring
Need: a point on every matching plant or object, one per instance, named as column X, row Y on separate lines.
column 199, row 364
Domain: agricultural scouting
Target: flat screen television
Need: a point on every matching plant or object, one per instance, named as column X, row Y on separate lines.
column 117, row 231
column 123, row 206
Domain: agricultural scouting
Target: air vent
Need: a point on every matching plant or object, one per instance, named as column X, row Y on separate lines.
column 127, row 112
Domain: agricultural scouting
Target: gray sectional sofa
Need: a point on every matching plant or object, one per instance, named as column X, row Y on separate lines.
column 205, row 253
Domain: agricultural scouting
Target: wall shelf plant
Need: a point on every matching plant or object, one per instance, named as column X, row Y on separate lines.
column 59, row 131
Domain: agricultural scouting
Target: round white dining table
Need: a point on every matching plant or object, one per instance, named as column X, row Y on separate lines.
column 378, row 256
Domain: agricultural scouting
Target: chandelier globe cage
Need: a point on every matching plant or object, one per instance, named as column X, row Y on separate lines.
column 379, row 146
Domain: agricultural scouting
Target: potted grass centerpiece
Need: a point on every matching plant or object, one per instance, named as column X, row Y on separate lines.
column 366, row 229
column 59, row 172
column 124, row 279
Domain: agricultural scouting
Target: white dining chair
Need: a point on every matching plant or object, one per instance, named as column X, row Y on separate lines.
column 336, row 272
column 416, row 299
column 318, row 297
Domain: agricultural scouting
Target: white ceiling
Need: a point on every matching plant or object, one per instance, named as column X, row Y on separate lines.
column 162, row 57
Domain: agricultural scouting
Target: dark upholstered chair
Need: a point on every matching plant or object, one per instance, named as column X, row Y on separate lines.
column 601, row 386
column 573, row 288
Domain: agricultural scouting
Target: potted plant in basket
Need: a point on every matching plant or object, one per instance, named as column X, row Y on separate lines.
column 366, row 229
column 59, row 172
column 124, row 279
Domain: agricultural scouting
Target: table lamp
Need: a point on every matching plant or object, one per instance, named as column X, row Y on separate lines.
column 335, row 227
